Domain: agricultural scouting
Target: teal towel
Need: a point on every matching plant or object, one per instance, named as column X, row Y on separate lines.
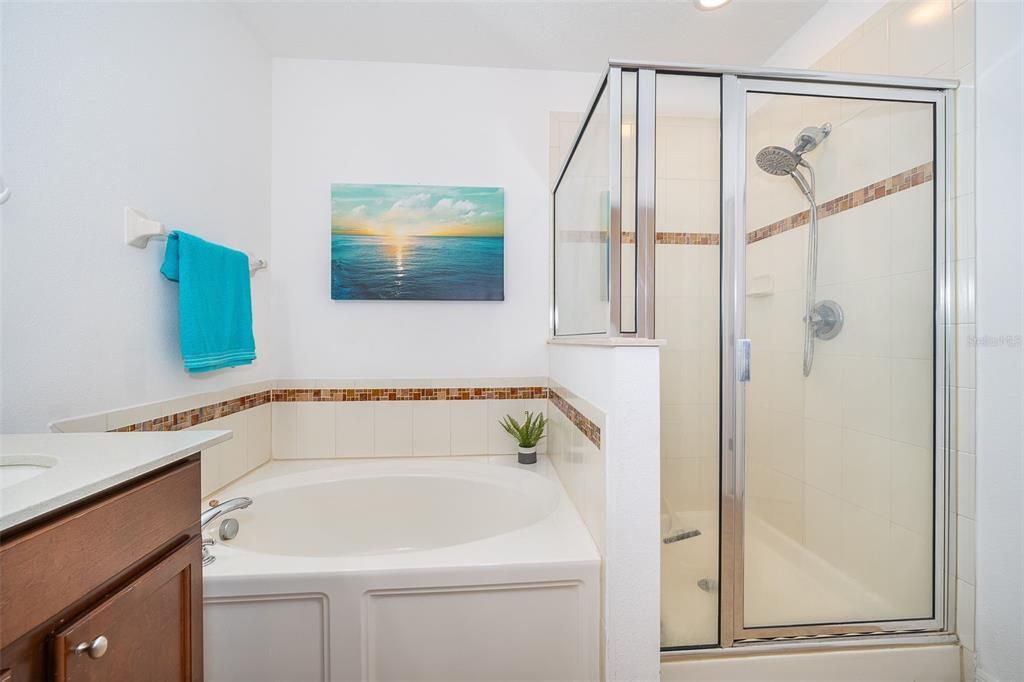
column 214, row 302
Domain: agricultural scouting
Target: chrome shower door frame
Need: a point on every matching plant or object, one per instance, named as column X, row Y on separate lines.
column 735, row 88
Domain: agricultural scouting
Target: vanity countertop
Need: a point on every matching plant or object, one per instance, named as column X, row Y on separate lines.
column 47, row 471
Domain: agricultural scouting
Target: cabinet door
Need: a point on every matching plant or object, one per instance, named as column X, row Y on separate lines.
column 149, row 630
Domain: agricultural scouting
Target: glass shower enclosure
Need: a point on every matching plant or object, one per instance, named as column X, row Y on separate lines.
column 787, row 234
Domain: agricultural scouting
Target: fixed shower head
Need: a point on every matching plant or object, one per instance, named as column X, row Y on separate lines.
column 777, row 160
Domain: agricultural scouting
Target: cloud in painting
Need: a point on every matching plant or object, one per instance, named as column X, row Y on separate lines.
column 416, row 210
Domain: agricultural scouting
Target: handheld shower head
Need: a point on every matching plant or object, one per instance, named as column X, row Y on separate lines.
column 777, row 160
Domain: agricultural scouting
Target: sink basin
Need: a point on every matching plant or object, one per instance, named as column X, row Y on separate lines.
column 18, row 468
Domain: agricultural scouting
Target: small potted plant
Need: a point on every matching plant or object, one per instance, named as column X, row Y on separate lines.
column 527, row 434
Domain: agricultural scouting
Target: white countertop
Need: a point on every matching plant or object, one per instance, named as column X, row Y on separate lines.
column 83, row 464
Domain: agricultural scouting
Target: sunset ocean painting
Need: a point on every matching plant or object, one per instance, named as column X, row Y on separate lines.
column 417, row 242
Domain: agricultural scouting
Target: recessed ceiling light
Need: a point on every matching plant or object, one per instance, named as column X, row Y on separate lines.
column 710, row 4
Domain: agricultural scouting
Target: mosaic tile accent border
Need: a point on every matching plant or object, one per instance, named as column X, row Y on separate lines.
column 876, row 190
column 692, row 238
column 346, row 395
column 200, row 415
column 588, row 428
column 858, row 197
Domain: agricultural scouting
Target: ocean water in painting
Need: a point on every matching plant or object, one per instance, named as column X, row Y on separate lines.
column 417, row 242
column 417, row 268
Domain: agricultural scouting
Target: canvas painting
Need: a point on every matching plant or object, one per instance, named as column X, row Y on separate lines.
column 413, row 242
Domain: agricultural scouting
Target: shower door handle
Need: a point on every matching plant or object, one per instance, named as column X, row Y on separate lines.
column 743, row 360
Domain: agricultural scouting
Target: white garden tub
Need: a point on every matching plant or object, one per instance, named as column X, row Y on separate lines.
column 443, row 569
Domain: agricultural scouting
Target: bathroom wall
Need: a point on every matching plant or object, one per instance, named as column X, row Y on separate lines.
column 998, row 340
column 163, row 107
column 399, row 123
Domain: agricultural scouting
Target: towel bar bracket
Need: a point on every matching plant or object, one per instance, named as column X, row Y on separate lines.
column 140, row 229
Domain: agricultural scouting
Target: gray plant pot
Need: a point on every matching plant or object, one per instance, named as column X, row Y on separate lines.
column 528, row 455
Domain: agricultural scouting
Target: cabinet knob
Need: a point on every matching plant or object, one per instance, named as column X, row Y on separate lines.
column 96, row 648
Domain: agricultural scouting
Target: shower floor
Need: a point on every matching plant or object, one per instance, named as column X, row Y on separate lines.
column 786, row 584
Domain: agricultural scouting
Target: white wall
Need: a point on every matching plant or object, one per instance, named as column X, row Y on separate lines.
column 162, row 107
column 1000, row 326
column 398, row 123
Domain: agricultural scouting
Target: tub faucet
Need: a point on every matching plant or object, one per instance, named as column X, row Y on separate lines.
column 211, row 514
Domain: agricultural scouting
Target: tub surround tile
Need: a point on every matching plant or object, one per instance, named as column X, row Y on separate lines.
column 353, row 429
column 469, row 427
column 283, row 430
column 431, row 428
column 259, row 430
column 164, row 417
column 585, row 425
column 177, row 421
column 314, row 430
column 392, row 429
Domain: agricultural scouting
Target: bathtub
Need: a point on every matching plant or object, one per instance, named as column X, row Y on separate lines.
column 409, row 569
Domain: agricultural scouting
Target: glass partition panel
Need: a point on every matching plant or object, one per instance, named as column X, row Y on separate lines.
column 687, row 313
column 581, row 223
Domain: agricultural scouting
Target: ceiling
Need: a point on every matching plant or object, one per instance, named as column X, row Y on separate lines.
column 579, row 35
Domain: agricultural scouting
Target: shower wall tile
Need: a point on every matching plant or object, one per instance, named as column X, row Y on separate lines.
column 965, row 613
column 911, row 482
column 921, row 36
column 963, row 34
column 965, row 563
column 866, row 471
column 965, row 420
column 966, row 475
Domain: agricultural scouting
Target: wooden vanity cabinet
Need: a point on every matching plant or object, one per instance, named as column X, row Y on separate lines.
column 109, row 589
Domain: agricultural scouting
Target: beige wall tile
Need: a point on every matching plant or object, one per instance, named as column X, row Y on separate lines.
column 392, row 429
column 258, row 426
column 431, row 428
column 353, row 429
column 470, row 427
column 920, row 37
column 283, row 430
column 315, row 430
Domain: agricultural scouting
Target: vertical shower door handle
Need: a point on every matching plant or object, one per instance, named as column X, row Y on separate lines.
column 743, row 360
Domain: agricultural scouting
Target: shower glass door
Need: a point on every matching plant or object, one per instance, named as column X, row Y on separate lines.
column 833, row 485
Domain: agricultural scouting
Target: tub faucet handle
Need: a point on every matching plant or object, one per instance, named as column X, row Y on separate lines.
column 207, row 557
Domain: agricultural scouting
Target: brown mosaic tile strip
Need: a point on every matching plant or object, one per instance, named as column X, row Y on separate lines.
column 876, row 190
column 690, row 238
column 588, row 428
column 200, row 415
column 345, row 395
